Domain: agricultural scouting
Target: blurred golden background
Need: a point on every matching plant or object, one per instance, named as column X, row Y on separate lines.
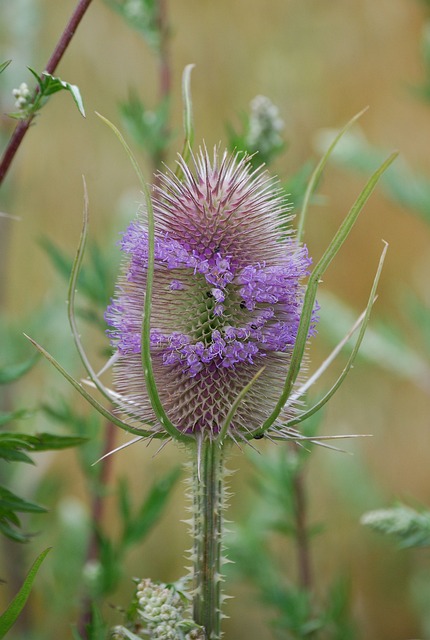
column 320, row 61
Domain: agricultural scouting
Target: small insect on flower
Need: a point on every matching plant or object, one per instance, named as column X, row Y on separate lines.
column 226, row 302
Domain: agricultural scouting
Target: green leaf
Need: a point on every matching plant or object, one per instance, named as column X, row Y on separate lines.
column 151, row 509
column 124, row 501
column 111, row 562
column 13, row 455
column 12, row 444
column 410, row 527
column 312, row 287
column 141, row 15
column 50, row 84
column 162, row 417
column 341, row 378
column 187, row 113
column 4, row 65
column 11, row 533
column 381, row 347
column 97, row 628
column 53, row 442
column 13, row 372
column 316, row 175
column 61, row 262
column 9, row 617
column 10, row 416
column 400, row 183
column 10, row 502
column 147, row 128
column 92, row 401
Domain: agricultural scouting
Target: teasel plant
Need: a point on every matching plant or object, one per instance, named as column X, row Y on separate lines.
column 209, row 326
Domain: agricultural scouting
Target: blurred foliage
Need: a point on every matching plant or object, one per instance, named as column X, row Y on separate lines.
column 148, row 129
column 95, row 280
column 9, row 617
column 295, row 611
column 279, row 506
column 141, row 15
column 400, row 182
column 411, row 528
column 14, row 447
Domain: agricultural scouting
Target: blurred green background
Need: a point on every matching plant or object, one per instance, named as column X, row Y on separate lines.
column 320, row 61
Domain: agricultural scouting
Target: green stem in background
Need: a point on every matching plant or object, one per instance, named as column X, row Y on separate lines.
column 208, row 503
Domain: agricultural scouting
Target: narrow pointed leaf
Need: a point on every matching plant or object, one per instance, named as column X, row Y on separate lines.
column 310, row 295
column 145, row 341
column 317, row 173
column 187, row 111
column 354, row 352
column 9, row 617
column 4, row 65
column 11, row 502
column 100, row 408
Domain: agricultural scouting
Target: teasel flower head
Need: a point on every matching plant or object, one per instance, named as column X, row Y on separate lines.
column 226, row 301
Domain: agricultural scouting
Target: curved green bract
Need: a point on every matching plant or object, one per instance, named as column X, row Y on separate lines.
column 187, row 113
column 316, row 175
column 148, row 372
column 100, row 408
column 234, row 407
column 311, row 290
column 74, row 275
column 351, row 359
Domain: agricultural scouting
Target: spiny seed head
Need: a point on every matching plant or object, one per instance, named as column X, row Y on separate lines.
column 227, row 297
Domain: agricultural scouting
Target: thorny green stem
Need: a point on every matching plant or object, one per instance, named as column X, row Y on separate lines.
column 208, row 499
column 62, row 44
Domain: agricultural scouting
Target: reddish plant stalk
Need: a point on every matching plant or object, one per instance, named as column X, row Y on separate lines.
column 97, row 512
column 302, row 536
column 62, row 44
column 165, row 73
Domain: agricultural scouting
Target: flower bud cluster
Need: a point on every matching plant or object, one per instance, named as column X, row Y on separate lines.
column 22, row 96
column 161, row 608
column 265, row 126
column 118, row 633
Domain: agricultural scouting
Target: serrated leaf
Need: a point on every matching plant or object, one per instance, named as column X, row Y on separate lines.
column 13, row 372
column 151, row 509
column 9, row 617
column 50, row 84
